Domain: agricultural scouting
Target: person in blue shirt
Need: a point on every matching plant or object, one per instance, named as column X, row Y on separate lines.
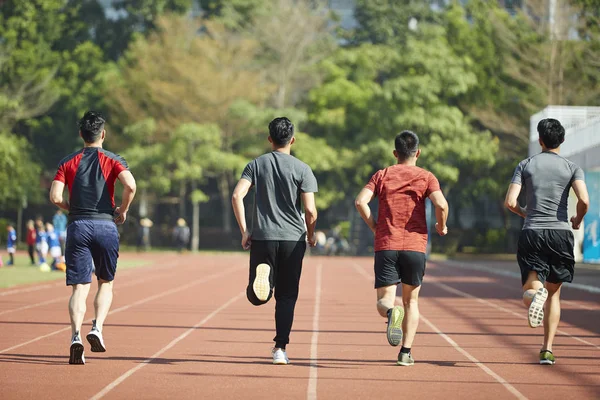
column 60, row 226
column 54, row 245
column 11, row 243
column 41, row 241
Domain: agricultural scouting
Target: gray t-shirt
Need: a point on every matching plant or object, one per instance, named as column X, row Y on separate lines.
column 547, row 178
column 278, row 180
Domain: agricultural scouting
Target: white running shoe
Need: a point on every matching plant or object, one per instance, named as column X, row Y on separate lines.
column 95, row 339
column 76, row 351
column 280, row 357
column 261, row 284
column 536, row 309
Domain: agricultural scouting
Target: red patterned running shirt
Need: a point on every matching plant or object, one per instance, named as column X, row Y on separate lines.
column 401, row 191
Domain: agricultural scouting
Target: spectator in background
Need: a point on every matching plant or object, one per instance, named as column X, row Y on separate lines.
column 54, row 245
column 181, row 235
column 41, row 243
column 60, row 227
column 11, row 243
column 31, row 240
column 144, row 234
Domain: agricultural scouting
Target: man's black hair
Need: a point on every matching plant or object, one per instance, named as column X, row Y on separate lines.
column 91, row 126
column 281, row 131
column 407, row 144
column 551, row 132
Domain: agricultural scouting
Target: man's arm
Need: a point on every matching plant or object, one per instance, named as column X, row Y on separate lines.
column 56, row 195
column 129, row 187
column 441, row 211
column 583, row 202
column 362, row 205
column 511, row 201
column 237, row 201
column 310, row 216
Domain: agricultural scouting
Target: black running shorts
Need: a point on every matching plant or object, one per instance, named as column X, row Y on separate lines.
column 393, row 267
column 549, row 252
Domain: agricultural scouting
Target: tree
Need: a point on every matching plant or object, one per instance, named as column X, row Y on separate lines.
column 19, row 174
column 191, row 72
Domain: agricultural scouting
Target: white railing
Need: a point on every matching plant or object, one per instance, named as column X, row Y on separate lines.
column 569, row 116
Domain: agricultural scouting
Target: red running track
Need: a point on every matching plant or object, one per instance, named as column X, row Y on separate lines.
column 182, row 328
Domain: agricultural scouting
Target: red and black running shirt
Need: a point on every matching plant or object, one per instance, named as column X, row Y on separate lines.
column 90, row 175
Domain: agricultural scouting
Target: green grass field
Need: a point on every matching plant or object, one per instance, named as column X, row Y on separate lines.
column 23, row 273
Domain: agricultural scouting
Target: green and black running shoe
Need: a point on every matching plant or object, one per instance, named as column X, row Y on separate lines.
column 547, row 358
column 394, row 328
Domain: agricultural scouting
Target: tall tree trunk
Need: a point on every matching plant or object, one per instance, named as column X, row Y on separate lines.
column 195, row 222
column 182, row 200
column 225, row 193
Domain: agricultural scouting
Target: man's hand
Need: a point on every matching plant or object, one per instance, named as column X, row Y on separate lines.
column 121, row 216
column 246, row 241
column 312, row 241
column 575, row 222
column 441, row 230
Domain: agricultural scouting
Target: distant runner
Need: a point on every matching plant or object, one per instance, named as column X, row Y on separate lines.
column 401, row 237
column 92, row 237
column 545, row 250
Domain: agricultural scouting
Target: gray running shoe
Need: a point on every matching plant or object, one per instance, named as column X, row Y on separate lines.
column 394, row 328
column 405, row 359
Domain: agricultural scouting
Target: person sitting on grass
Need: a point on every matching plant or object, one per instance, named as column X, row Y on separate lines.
column 54, row 244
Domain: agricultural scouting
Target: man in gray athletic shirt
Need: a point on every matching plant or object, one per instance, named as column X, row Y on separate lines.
column 545, row 249
column 277, row 239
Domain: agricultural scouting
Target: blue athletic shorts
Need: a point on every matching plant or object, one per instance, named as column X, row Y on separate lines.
column 91, row 244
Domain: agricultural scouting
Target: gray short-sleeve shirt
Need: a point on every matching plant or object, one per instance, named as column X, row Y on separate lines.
column 547, row 179
column 278, row 180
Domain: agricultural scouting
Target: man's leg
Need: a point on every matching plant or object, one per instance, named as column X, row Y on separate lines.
column 103, row 301
column 386, row 299
column 552, row 314
column 410, row 300
column 263, row 254
column 287, row 281
column 77, row 306
column 530, row 287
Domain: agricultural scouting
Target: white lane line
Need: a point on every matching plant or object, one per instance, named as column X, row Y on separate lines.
column 63, row 298
column 475, row 361
column 465, row 353
column 178, row 339
column 311, row 391
column 457, row 292
column 512, row 274
column 137, row 303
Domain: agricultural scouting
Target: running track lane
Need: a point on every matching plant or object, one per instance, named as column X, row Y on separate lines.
column 228, row 355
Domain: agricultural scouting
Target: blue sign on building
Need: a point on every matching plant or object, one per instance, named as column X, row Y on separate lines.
column 591, row 221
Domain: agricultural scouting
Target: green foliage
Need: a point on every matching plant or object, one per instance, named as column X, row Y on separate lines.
column 19, row 175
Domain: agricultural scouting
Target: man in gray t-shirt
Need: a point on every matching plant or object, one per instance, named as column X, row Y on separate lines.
column 278, row 234
column 545, row 249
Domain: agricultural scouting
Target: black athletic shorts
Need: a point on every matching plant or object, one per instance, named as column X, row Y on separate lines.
column 393, row 267
column 549, row 252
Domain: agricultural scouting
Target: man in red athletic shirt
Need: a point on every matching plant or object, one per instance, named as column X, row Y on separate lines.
column 92, row 238
column 401, row 237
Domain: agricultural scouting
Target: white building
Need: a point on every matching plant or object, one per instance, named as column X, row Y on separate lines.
column 582, row 146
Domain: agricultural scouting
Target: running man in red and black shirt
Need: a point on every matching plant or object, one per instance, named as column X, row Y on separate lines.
column 92, row 238
column 401, row 237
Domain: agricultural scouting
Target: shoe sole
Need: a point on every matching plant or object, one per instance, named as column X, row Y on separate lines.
column 76, row 354
column 394, row 328
column 547, row 362
column 280, row 362
column 536, row 309
column 404, row 364
column 96, row 343
column 261, row 284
